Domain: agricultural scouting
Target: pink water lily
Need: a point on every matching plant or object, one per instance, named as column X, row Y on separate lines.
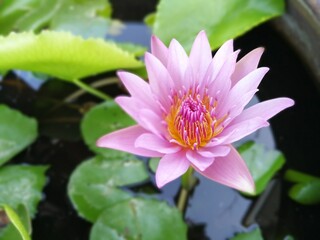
column 193, row 109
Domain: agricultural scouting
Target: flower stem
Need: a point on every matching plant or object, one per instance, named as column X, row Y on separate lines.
column 91, row 90
column 188, row 181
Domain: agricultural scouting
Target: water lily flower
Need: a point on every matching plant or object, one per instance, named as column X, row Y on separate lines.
column 192, row 109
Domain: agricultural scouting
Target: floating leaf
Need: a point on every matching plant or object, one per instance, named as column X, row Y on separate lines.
column 100, row 120
column 306, row 193
column 87, row 18
column 93, row 186
column 22, row 185
column 261, row 163
column 19, row 228
column 17, row 131
column 139, row 219
column 221, row 19
column 83, row 17
column 62, row 55
column 253, row 235
column 299, row 177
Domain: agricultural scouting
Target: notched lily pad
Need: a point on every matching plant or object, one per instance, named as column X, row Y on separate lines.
column 94, row 185
column 139, row 219
column 262, row 164
column 17, row 131
column 62, row 54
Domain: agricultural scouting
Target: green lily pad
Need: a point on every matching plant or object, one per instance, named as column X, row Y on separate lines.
column 100, row 120
column 139, row 219
column 20, row 226
column 94, row 185
column 253, row 235
column 62, row 54
column 262, row 164
column 221, row 19
column 306, row 193
column 153, row 164
column 17, row 131
column 22, row 185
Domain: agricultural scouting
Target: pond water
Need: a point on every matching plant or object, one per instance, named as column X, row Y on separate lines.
column 214, row 211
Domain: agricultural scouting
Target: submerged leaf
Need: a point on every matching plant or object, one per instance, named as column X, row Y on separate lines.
column 17, row 131
column 139, row 219
column 221, row 19
column 262, row 164
column 62, row 54
column 94, row 185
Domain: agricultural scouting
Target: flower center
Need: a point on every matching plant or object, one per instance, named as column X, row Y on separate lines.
column 192, row 121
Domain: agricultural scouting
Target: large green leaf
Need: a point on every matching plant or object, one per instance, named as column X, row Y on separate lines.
column 93, row 186
column 100, row 120
column 139, row 219
column 19, row 228
column 262, row 164
column 86, row 18
column 17, row 131
column 22, row 185
column 221, row 19
column 62, row 54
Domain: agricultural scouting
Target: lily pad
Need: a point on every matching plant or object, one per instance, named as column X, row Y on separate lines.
column 306, row 193
column 22, row 185
column 253, row 235
column 263, row 164
column 17, row 131
column 62, row 54
column 139, row 219
column 100, row 120
column 222, row 20
column 20, row 227
column 94, row 185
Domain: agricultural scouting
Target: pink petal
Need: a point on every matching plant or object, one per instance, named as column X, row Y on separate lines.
column 231, row 171
column 222, row 55
column 124, row 140
column 238, row 130
column 139, row 89
column 159, row 50
column 153, row 122
column 171, row 166
column 154, row 143
column 221, row 84
column 216, row 151
column 266, row 109
column 200, row 55
column 160, row 80
column 247, row 86
column 131, row 106
column 198, row 160
column 177, row 64
column 246, row 64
